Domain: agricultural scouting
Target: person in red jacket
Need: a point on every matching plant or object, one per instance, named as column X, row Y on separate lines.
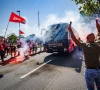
column 4, row 46
column 18, row 45
column 2, row 50
column 12, row 50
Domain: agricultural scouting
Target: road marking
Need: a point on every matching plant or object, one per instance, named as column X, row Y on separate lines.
column 35, row 69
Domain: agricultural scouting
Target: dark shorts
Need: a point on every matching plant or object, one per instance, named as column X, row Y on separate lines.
column 8, row 49
column 13, row 49
column 35, row 48
column 31, row 48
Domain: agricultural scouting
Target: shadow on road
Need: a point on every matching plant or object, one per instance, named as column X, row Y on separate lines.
column 66, row 60
column 1, row 75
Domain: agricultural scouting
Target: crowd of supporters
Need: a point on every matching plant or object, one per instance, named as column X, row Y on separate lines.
column 7, row 48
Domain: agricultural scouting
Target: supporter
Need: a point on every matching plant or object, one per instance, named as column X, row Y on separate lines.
column 2, row 50
column 18, row 45
column 91, row 50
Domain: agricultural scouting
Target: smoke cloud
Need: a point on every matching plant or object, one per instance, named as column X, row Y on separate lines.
column 53, row 19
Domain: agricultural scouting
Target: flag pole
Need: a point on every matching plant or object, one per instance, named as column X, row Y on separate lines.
column 19, row 23
column 6, row 29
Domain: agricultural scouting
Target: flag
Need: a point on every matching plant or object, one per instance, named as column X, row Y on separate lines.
column 21, row 32
column 16, row 18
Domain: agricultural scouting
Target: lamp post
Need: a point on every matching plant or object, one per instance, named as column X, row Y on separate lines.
column 42, row 30
column 38, row 21
column 19, row 23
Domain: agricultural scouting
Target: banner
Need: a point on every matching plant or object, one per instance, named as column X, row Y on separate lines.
column 16, row 18
column 21, row 32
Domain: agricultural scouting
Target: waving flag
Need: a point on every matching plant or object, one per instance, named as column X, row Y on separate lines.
column 15, row 18
column 21, row 32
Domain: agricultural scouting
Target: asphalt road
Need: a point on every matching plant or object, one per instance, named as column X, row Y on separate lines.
column 44, row 71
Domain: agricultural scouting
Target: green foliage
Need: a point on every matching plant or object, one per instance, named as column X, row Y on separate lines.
column 12, row 38
column 89, row 10
column 88, row 7
column 1, row 37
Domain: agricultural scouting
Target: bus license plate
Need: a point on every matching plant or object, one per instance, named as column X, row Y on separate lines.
column 54, row 49
column 55, row 52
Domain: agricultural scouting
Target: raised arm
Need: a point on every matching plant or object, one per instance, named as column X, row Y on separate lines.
column 98, row 26
column 72, row 35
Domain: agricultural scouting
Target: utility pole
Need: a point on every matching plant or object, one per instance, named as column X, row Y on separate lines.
column 38, row 21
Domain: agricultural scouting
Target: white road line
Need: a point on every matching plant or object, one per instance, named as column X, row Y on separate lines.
column 35, row 69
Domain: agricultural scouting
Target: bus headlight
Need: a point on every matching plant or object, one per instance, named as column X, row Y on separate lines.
column 65, row 49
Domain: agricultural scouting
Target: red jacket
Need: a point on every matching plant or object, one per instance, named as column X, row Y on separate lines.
column 1, row 47
column 4, row 45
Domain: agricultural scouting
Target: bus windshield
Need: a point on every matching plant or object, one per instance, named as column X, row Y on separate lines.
column 56, row 32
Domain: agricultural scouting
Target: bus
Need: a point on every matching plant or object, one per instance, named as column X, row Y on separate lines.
column 58, row 39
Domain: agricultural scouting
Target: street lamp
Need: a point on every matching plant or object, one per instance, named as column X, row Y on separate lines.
column 42, row 30
column 19, row 23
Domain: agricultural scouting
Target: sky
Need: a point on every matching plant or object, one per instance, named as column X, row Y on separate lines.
column 50, row 12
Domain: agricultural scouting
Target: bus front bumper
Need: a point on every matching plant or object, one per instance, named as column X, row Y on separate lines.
column 55, row 50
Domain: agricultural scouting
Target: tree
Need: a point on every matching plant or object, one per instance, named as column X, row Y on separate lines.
column 1, row 37
column 12, row 38
column 89, row 9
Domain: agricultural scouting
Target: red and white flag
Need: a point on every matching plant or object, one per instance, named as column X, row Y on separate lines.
column 16, row 18
column 21, row 32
